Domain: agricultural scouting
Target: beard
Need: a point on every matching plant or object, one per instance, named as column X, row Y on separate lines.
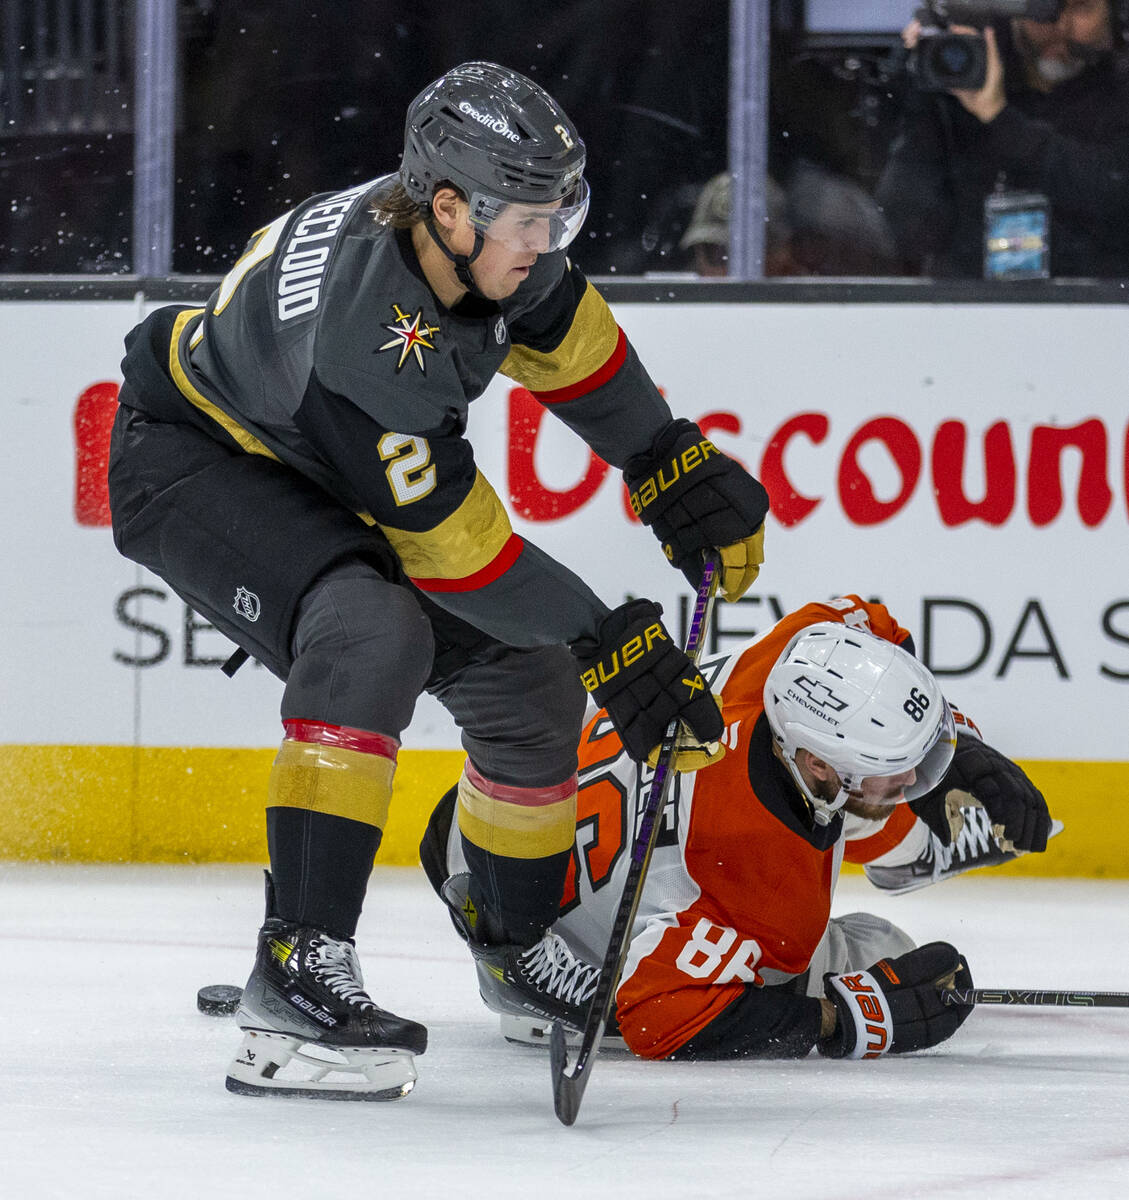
column 877, row 810
column 1054, row 71
column 1051, row 70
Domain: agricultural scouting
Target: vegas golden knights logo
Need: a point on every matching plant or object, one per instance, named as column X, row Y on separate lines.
column 412, row 337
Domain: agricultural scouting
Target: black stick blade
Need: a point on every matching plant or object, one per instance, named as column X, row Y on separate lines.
column 566, row 1093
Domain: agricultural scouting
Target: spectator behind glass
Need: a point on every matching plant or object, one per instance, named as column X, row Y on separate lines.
column 707, row 235
column 819, row 224
column 1052, row 118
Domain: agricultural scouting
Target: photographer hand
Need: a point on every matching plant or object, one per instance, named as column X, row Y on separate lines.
column 988, row 102
column 984, row 103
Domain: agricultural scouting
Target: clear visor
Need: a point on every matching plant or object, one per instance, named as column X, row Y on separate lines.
column 931, row 770
column 531, row 228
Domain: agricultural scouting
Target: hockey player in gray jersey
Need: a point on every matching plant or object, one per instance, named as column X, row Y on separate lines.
column 291, row 459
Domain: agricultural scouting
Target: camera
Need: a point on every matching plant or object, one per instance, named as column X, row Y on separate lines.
column 943, row 60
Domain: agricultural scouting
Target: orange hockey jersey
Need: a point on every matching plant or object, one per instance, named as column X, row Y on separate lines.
column 739, row 890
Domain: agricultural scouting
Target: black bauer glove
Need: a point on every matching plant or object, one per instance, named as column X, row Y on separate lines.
column 1010, row 799
column 895, row 1007
column 635, row 671
column 695, row 498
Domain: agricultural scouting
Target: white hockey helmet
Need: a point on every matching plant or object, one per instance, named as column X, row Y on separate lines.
column 863, row 705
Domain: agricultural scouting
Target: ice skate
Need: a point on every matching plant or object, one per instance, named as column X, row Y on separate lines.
column 545, row 981
column 528, row 1030
column 310, row 1029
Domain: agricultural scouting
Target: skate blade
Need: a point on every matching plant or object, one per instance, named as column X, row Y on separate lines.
column 280, row 1064
column 522, row 1031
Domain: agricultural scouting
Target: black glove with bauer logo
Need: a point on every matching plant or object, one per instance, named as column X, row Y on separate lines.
column 695, row 498
column 896, row 1006
column 633, row 669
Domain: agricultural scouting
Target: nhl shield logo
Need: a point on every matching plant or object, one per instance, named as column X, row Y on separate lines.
column 246, row 604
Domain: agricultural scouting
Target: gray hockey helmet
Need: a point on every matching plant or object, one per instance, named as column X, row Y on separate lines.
column 502, row 140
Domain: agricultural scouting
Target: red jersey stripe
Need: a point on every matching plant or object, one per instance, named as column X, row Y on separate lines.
column 590, row 382
column 494, row 569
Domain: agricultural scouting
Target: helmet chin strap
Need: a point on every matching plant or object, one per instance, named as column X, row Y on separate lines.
column 461, row 261
column 822, row 810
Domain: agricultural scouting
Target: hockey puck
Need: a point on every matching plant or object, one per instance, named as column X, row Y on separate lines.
column 218, row 999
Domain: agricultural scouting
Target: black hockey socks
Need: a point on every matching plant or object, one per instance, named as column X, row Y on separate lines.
column 329, row 792
column 517, row 842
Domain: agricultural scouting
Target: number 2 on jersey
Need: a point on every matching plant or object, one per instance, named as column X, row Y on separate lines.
column 411, row 473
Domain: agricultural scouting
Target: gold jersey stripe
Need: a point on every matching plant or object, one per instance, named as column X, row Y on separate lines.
column 188, row 389
column 462, row 544
column 515, row 830
column 591, row 340
column 331, row 779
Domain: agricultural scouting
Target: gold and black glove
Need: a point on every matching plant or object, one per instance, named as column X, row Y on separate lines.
column 695, row 498
column 635, row 670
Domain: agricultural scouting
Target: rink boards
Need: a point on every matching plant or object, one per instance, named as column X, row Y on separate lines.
column 967, row 464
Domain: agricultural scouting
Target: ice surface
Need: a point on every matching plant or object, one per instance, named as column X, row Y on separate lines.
column 114, row 1083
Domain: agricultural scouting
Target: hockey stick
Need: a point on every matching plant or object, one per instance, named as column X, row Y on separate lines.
column 1056, row 999
column 569, row 1085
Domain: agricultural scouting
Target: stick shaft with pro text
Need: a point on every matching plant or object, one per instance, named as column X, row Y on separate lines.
column 569, row 1084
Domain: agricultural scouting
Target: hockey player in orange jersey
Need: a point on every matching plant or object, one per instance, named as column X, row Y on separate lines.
column 839, row 747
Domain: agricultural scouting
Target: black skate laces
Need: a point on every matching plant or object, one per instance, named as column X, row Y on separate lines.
column 553, row 968
column 335, row 965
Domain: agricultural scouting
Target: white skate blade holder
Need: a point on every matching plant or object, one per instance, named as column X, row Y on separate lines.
column 529, row 1031
column 281, row 1064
